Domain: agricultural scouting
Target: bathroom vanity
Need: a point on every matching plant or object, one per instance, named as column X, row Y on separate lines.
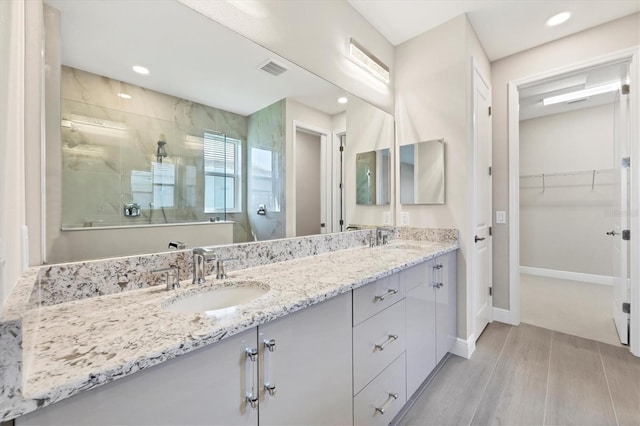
column 342, row 337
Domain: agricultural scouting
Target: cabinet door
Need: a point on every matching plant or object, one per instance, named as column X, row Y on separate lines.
column 421, row 327
column 445, row 304
column 204, row 387
column 310, row 366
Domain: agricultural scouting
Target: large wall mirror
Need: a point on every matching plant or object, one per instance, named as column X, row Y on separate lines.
column 422, row 173
column 210, row 143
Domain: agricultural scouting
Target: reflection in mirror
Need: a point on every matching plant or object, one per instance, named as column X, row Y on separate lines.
column 372, row 177
column 422, row 173
column 200, row 137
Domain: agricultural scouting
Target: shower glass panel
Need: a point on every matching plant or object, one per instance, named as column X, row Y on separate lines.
column 121, row 169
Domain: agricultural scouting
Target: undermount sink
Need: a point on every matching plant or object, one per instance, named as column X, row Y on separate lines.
column 219, row 301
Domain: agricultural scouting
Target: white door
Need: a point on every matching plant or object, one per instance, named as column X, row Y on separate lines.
column 482, row 299
column 621, row 289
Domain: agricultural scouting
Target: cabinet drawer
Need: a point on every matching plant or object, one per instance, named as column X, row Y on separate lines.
column 386, row 393
column 372, row 298
column 376, row 343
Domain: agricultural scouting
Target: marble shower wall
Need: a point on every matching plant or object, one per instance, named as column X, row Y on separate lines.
column 266, row 147
column 109, row 144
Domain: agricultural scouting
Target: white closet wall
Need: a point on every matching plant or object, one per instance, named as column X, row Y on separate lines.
column 563, row 222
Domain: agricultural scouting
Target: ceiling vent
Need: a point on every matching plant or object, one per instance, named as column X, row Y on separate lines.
column 272, row 67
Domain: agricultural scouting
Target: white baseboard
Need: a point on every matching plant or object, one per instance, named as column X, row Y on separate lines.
column 503, row 315
column 464, row 348
column 566, row 275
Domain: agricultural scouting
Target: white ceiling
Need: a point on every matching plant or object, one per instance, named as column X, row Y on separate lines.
column 189, row 55
column 504, row 27
column 531, row 97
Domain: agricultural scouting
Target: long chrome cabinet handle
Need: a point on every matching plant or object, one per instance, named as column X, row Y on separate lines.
column 389, row 292
column 251, row 373
column 391, row 338
column 269, row 366
column 392, row 397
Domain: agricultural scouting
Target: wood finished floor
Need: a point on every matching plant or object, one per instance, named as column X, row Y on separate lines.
column 527, row 375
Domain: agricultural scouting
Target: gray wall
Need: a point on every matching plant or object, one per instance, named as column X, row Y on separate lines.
column 598, row 41
column 564, row 228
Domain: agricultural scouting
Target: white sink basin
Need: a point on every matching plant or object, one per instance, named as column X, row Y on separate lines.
column 220, row 301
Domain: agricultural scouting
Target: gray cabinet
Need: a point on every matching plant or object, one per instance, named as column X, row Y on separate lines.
column 430, row 316
column 309, row 366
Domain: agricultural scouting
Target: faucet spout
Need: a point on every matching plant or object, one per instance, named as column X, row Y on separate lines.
column 200, row 256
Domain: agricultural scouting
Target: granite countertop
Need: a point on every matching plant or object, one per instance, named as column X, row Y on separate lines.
column 78, row 345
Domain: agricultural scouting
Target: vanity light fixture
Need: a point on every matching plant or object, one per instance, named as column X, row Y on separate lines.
column 580, row 94
column 558, row 18
column 343, row 100
column 369, row 62
column 140, row 69
column 124, row 95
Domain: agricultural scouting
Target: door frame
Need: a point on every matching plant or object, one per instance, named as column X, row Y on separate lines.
column 338, row 199
column 514, row 184
column 471, row 312
column 326, row 162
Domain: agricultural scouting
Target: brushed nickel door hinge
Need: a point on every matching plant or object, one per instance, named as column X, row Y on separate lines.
column 489, row 111
column 490, row 291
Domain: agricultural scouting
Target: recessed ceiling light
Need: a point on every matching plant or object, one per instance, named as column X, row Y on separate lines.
column 140, row 69
column 124, row 96
column 580, row 94
column 558, row 18
column 343, row 100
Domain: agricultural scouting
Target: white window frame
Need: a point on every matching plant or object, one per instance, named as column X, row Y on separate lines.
column 237, row 176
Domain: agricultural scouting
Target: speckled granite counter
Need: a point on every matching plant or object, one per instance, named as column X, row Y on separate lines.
column 74, row 346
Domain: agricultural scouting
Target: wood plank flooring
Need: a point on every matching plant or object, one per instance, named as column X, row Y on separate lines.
column 527, row 375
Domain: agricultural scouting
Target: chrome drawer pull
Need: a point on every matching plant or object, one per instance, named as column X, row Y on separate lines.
column 390, row 292
column 392, row 397
column 390, row 339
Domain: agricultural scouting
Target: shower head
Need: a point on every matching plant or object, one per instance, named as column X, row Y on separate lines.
column 161, row 152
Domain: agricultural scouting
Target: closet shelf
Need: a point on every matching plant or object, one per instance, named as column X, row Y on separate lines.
column 592, row 173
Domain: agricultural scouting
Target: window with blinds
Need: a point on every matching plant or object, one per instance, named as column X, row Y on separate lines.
column 222, row 173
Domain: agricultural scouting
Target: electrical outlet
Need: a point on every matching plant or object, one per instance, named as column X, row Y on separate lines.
column 501, row 216
column 404, row 218
column 386, row 218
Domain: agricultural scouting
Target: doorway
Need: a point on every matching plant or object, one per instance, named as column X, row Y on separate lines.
column 570, row 200
column 308, row 196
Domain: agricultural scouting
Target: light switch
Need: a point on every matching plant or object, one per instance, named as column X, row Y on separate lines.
column 501, row 216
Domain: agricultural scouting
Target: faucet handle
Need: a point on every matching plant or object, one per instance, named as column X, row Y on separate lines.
column 220, row 272
column 173, row 276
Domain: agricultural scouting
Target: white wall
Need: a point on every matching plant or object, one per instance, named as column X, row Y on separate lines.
column 368, row 129
column 12, row 172
column 564, row 228
column 312, row 34
column 598, row 41
column 433, row 101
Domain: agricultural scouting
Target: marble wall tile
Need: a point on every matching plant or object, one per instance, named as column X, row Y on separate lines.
column 266, row 137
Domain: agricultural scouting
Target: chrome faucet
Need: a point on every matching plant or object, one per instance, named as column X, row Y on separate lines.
column 200, row 256
column 173, row 277
column 382, row 236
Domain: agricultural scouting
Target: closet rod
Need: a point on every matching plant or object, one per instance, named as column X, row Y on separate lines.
column 574, row 173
